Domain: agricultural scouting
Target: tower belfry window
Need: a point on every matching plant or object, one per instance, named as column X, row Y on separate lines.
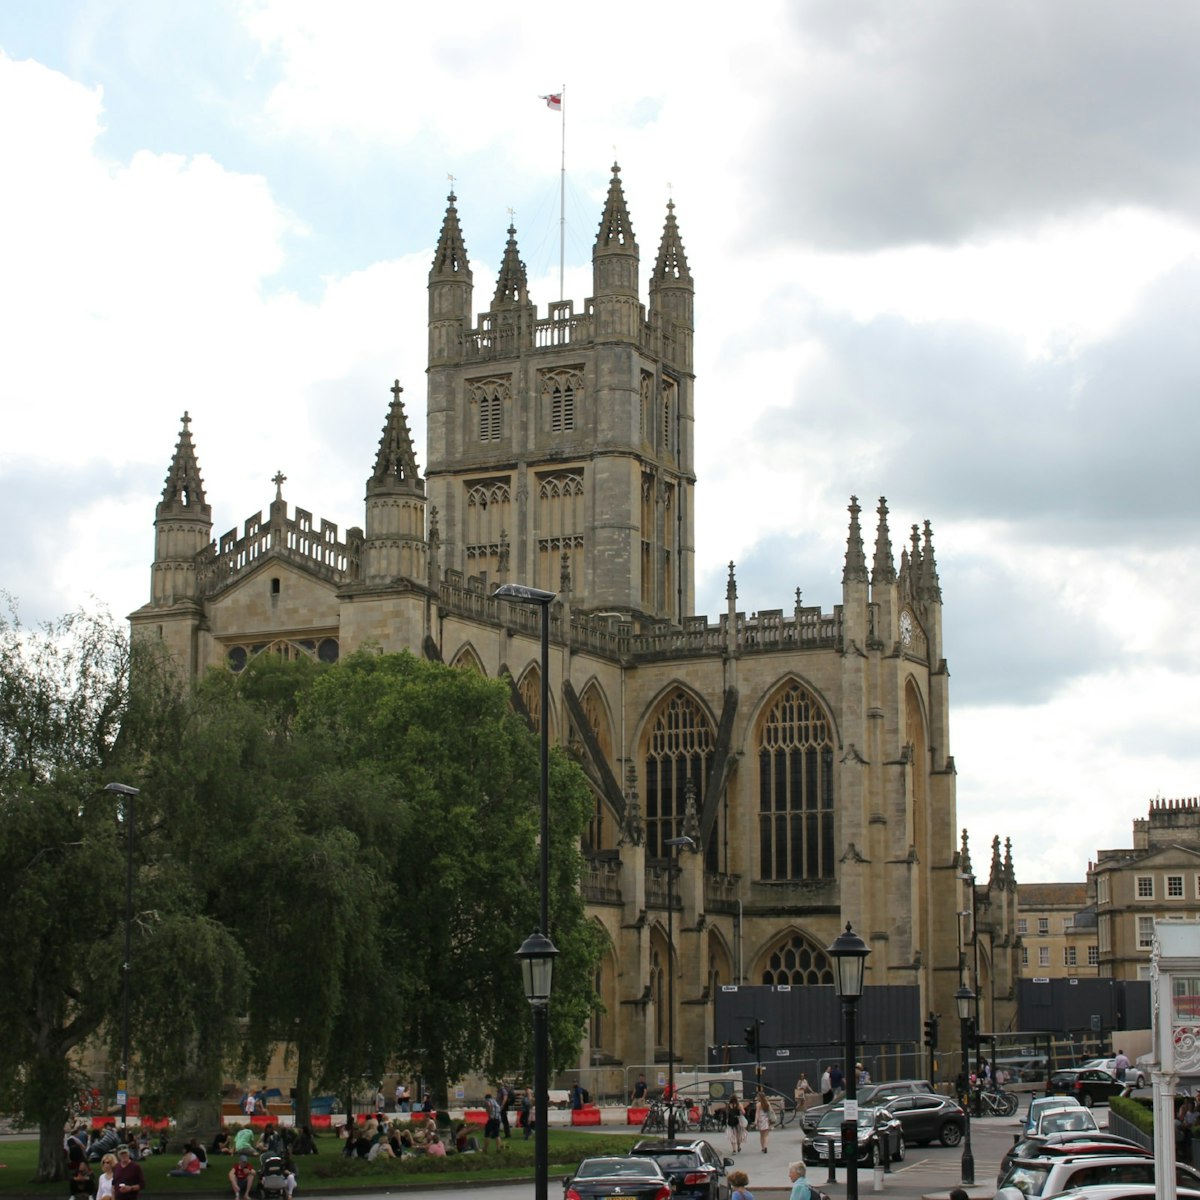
column 489, row 396
column 561, row 391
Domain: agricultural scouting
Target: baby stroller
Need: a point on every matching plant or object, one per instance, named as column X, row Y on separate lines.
column 273, row 1177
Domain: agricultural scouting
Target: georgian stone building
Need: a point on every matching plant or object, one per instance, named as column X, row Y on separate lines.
column 805, row 749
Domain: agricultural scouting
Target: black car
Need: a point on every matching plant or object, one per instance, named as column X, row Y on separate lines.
column 1088, row 1085
column 691, row 1164
column 926, row 1118
column 628, row 1178
column 871, row 1093
column 876, row 1127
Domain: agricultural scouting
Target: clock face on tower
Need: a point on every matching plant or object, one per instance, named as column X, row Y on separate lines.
column 906, row 628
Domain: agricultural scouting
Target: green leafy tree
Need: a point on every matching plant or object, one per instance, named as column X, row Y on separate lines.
column 463, row 771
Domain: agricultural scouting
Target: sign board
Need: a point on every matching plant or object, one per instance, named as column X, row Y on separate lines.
column 850, row 1112
column 122, row 1098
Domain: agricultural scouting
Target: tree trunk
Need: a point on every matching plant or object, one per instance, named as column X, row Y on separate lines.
column 50, row 1164
column 303, row 1083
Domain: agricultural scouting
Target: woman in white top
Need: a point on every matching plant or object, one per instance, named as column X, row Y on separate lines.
column 104, row 1185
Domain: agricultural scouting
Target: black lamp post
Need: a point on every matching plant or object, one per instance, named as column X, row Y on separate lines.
column 964, row 998
column 849, row 953
column 672, row 845
column 128, row 809
column 538, row 946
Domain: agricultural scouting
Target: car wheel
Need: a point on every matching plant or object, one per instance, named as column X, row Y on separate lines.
column 899, row 1155
column 1086, row 1100
column 950, row 1134
column 1141, row 1080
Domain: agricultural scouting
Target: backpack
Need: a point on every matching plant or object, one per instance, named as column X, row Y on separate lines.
column 749, row 1111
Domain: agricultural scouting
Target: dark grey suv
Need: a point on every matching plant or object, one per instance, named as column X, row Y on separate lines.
column 870, row 1094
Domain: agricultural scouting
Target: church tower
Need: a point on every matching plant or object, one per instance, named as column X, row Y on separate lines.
column 182, row 529
column 560, row 447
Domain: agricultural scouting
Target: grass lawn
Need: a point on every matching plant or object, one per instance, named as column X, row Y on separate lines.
column 331, row 1171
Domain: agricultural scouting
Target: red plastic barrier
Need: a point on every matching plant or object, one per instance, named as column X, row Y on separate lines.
column 636, row 1114
column 100, row 1122
column 475, row 1116
column 588, row 1115
column 261, row 1119
column 323, row 1121
column 156, row 1122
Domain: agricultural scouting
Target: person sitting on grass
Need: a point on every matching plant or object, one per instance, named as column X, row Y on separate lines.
column 82, row 1183
column 436, row 1149
column 241, row 1177
column 243, row 1140
column 304, row 1143
column 220, row 1144
column 465, row 1142
column 190, row 1165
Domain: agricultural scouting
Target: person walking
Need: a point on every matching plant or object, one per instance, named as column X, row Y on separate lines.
column 527, row 1121
column 1120, row 1065
column 504, row 1099
column 827, row 1086
column 801, row 1189
column 739, row 1181
column 735, row 1119
column 762, row 1118
column 491, row 1128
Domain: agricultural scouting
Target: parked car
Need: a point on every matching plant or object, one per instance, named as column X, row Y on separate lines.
column 691, row 1164
column 1084, row 1141
column 1133, row 1074
column 926, row 1118
column 1038, row 1103
column 870, row 1094
column 1024, row 1068
column 1067, row 1119
column 1128, row 1191
column 875, row 1126
column 1087, row 1086
column 630, row 1178
column 1027, row 1177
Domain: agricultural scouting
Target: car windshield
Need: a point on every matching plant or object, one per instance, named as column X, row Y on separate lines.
column 1066, row 1120
column 835, row 1116
column 607, row 1168
column 1029, row 1178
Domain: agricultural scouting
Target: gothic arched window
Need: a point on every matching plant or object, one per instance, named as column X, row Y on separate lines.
column 797, row 961
column 490, row 398
column 795, row 789
column 560, row 392
column 679, row 747
column 488, row 520
column 561, row 523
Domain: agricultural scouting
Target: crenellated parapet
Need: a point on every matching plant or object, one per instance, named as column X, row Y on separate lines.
column 317, row 549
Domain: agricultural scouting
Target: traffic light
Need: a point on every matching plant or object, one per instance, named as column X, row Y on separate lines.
column 931, row 1031
column 751, row 1032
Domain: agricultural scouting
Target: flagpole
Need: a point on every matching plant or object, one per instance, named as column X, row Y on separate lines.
column 562, row 200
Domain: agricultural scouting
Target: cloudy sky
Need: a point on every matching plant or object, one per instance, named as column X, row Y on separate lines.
column 944, row 252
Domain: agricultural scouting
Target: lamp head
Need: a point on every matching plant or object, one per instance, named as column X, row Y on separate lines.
column 523, row 593
column 537, row 955
column 849, row 953
column 122, row 789
column 963, row 1000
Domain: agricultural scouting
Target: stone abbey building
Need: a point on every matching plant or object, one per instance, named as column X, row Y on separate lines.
column 806, row 750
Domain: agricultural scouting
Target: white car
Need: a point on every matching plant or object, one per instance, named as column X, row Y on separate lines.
column 1133, row 1074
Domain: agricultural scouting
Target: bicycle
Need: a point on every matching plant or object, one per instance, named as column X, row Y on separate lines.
column 656, row 1117
column 993, row 1102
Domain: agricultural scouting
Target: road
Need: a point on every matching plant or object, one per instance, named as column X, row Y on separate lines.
column 926, row 1171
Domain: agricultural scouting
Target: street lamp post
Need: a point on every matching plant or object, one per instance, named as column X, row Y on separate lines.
column 849, row 953
column 541, row 1027
column 672, row 845
column 963, row 999
column 128, row 809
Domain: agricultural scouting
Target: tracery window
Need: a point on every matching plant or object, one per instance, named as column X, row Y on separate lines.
column 560, row 392
column 795, row 799
column 490, row 398
column 489, row 518
column 658, row 995
column 647, row 416
column 560, row 525
column 597, row 715
column 679, row 747
column 323, row 649
column 798, row 962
